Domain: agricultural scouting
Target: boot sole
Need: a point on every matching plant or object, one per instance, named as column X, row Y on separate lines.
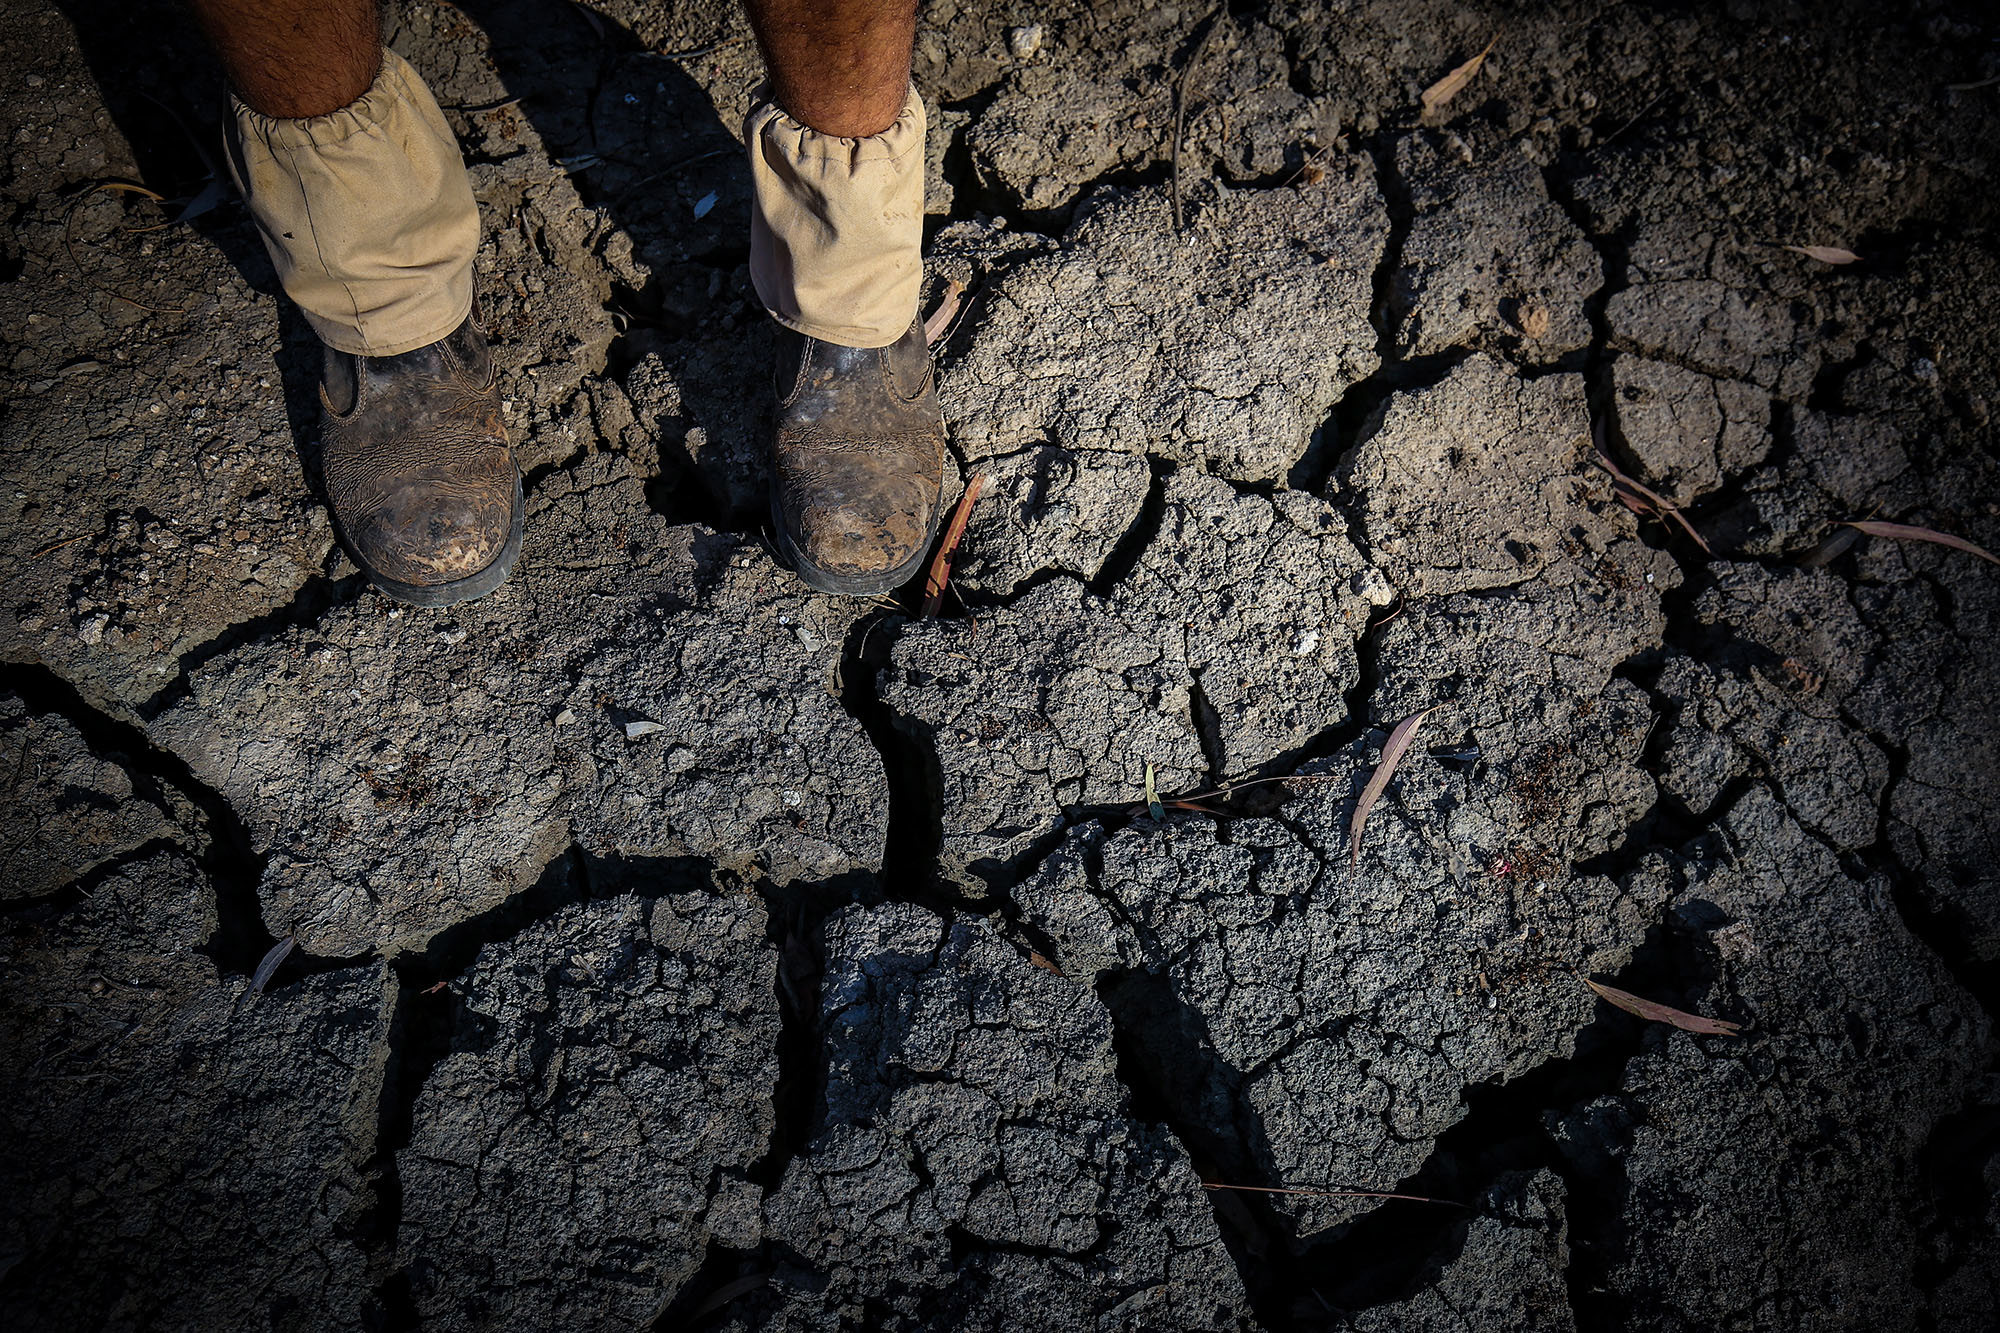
column 854, row 585
column 458, row 590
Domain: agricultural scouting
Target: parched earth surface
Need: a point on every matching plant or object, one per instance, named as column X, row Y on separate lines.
column 672, row 947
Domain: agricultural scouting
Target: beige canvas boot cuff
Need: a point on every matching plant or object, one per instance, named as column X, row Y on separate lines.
column 837, row 225
column 368, row 214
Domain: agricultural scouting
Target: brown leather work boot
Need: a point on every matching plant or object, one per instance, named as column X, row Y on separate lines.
column 857, row 470
column 422, row 484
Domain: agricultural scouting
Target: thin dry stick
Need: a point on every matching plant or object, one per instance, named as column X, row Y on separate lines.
column 942, row 318
column 481, row 108
column 1333, row 1194
column 1290, row 779
column 699, row 51
column 69, row 247
column 941, row 566
column 53, row 547
column 1628, row 124
column 1180, row 109
column 1312, row 158
column 684, row 162
column 1659, row 502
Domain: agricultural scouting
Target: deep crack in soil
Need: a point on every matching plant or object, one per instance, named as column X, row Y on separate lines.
column 882, row 1097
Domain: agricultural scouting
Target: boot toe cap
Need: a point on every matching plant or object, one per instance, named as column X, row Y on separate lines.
column 878, row 536
column 429, row 534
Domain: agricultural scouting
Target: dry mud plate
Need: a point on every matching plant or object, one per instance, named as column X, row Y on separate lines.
column 673, row 947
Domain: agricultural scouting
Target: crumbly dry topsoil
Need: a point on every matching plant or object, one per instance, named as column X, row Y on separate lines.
column 673, row 947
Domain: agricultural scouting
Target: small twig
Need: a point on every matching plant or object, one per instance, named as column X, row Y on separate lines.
column 1972, row 87
column 1334, row 1194
column 1628, row 124
column 941, row 320
column 481, row 108
column 694, row 53
column 1180, row 109
column 1660, row 503
column 69, row 247
column 1306, row 779
column 1307, row 165
column 684, row 162
column 53, row 547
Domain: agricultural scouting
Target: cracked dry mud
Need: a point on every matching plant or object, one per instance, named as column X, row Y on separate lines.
column 675, row 947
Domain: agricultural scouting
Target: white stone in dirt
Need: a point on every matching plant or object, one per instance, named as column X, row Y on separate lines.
column 1223, row 349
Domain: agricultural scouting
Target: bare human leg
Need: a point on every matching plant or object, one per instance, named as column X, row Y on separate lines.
column 295, row 58
column 840, row 67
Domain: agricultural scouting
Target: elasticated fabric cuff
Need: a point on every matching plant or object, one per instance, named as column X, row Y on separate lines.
column 367, row 213
column 837, row 224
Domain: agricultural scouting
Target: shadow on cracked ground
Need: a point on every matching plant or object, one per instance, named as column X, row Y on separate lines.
column 862, row 991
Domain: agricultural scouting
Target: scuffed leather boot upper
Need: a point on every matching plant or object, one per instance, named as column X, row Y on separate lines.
column 417, row 467
column 858, row 465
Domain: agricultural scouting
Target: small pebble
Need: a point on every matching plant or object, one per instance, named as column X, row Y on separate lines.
column 634, row 730
column 1024, row 42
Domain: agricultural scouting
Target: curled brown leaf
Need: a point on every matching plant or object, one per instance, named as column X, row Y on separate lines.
column 940, row 321
column 1656, row 1012
column 275, row 955
column 1392, row 754
column 1905, row 532
column 1452, row 84
column 1825, row 254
